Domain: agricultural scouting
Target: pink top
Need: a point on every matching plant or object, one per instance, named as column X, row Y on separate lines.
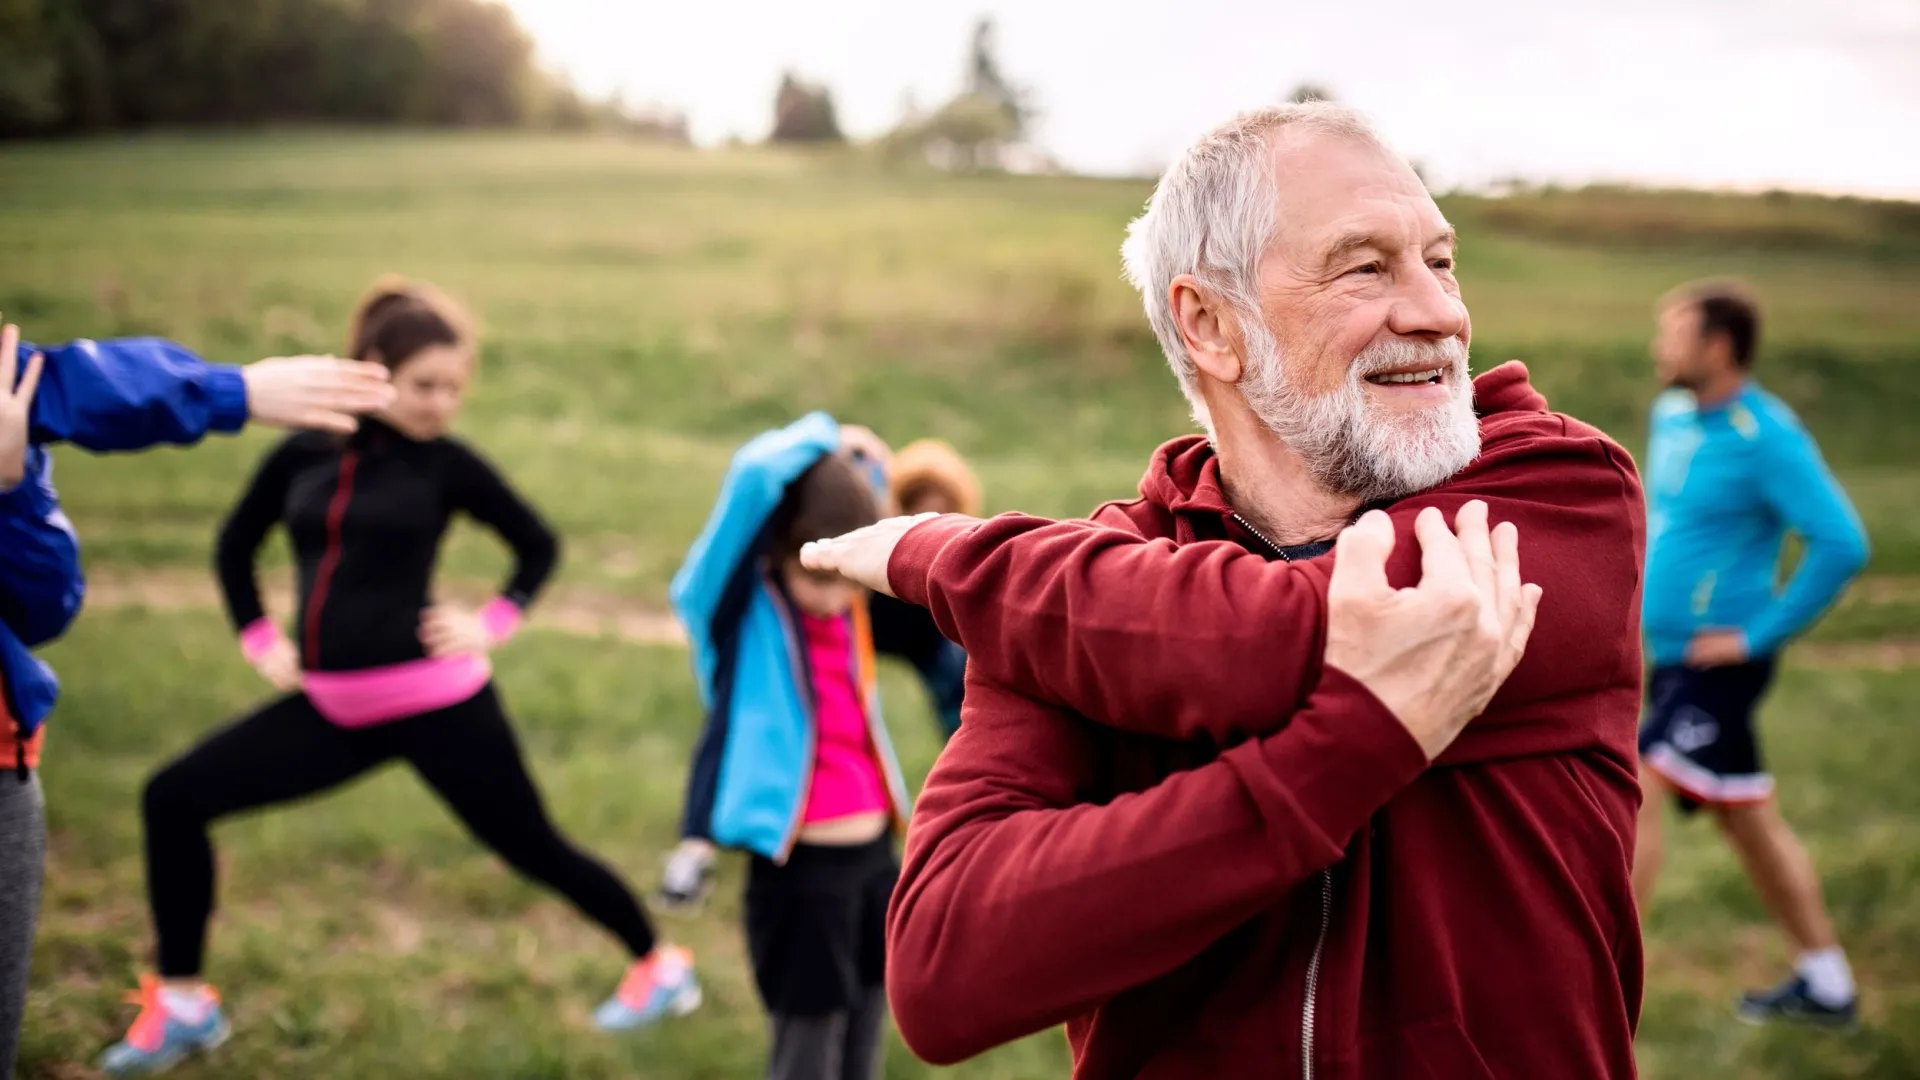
column 846, row 773
column 394, row 691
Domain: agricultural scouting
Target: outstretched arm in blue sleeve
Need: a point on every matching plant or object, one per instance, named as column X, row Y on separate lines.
column 1798, row 486
column 131, row 393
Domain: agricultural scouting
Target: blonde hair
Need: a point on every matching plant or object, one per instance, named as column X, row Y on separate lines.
column 933, row 465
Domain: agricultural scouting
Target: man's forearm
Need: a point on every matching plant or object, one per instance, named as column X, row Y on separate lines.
column 1012, row 899
column 1206, row 640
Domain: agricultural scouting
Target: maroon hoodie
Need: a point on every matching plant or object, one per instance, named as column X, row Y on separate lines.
column 1163, row 823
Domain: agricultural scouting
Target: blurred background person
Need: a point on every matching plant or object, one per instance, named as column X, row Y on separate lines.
column 927, row 476
column 379, row 673
column 794, row 765
column 1731, row 472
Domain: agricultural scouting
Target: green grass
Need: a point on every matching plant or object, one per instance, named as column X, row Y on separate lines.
column 647, row 309
column 366, row 934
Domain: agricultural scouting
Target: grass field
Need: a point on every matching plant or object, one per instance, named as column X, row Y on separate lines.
column 647, row 309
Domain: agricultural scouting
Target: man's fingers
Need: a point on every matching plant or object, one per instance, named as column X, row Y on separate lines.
column 29, row 379
column 1523, row 622
column 326, row 420
column 350, row 386
column 1506, row 564
column 1470, row 527
column 1441, row 559
column 820, row 555
column 1360, row 555
column 360, row 383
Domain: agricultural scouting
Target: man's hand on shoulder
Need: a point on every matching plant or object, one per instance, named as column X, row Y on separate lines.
column 1434, row 654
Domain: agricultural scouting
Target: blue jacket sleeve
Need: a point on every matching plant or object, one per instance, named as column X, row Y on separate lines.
column 40, row 582
column 131, row 393
column 756, row 480
column 1797, row 485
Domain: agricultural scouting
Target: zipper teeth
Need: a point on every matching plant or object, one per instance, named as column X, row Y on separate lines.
column 1313, row 975
column 323, row 577
column 1262, row 537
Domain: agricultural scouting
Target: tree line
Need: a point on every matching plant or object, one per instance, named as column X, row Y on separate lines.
column 97, row 65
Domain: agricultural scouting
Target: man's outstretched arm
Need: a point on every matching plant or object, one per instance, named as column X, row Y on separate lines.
column 1209, row 640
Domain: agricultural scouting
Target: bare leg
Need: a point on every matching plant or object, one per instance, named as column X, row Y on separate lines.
column 1649, row 846
column 1780, row 871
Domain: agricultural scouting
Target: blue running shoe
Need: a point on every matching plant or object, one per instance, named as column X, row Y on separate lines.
column 160, row 1039
column 659, row 986
column 1792, row 1001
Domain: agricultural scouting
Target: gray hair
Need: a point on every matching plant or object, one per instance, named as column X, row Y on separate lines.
column 1212, row 215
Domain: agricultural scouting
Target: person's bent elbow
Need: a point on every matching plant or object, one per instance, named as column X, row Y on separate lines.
column 931, row 1025
column 1855, row 551
column 940, row 1017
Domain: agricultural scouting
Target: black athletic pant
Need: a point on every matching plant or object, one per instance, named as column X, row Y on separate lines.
column 817, row 938
column 286, row 751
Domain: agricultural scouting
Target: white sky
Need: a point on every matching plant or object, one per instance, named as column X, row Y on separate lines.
column 1819, row 94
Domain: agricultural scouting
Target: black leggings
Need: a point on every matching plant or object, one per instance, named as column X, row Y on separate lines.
column 285, row 751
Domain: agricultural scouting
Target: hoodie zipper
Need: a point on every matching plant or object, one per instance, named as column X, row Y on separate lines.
column 1313, row 976
column 330, row 559
column 1310, row 1005
column 1277, row 550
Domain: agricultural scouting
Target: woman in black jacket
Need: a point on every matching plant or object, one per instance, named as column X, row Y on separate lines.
column 377, row 673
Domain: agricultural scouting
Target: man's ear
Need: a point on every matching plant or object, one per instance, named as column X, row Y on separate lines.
column 1209, row 326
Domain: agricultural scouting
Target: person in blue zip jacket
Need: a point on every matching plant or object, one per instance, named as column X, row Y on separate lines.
column 1730, row 472
column 103, row 396
column 794, row 765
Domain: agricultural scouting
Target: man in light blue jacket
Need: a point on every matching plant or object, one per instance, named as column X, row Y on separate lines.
column 101, row 396
column 1730, row 472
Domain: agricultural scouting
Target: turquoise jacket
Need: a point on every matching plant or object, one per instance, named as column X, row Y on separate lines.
column 748, row 784
column 1725, row 484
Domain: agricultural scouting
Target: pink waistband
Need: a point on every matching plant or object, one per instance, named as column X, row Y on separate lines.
column 378, row 695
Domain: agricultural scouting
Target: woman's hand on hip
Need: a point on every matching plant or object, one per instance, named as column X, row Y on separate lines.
column 452, row 631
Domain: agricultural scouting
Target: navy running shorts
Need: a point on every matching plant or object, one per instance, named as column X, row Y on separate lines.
column 1699, row 733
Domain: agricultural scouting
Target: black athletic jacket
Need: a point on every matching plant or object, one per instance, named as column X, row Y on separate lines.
column 365, row 516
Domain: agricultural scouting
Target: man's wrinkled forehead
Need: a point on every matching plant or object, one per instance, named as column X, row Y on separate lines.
column 1336, row 194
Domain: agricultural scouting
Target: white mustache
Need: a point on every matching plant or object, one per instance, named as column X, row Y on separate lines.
column 1450, row 353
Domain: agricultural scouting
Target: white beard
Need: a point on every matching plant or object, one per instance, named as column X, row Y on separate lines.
column 1347, row 446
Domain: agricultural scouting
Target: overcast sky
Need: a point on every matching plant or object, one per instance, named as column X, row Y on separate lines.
column 1820, row 94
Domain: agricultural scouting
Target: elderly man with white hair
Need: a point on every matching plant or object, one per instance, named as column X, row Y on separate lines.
column 1230, row 800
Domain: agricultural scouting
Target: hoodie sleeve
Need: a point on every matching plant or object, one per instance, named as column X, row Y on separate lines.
column 41, row 586
column 1209, row 640
column 1015, row 888
column 132, row 393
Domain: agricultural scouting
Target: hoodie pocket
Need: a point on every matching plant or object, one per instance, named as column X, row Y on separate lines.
column 1433, row 1049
